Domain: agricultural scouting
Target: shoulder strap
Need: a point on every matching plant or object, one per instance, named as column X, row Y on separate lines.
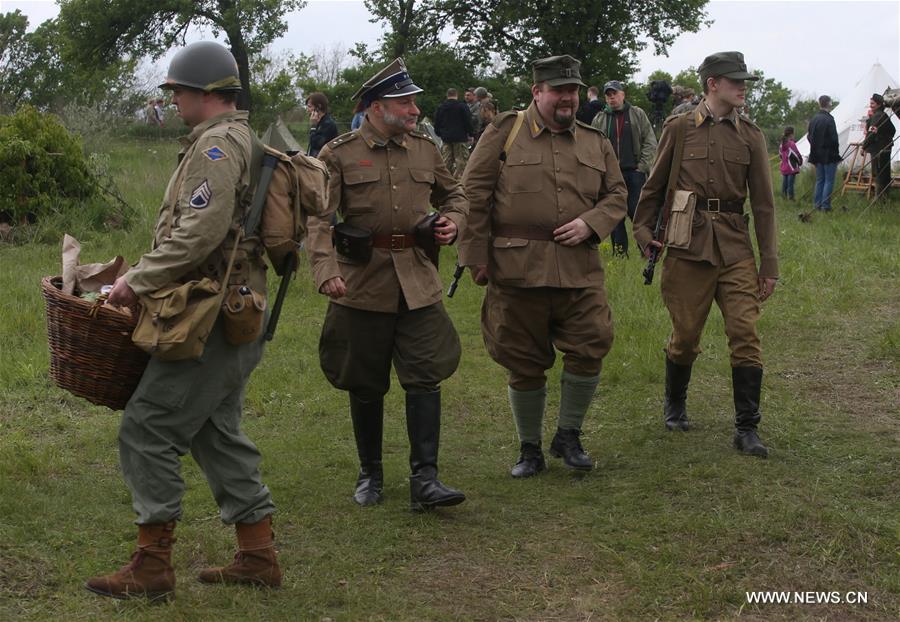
column 517, row 125
column 677, row 153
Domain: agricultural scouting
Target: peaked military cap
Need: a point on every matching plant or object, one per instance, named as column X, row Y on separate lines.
column 727, row 65
column 557, row 70
column 392, row 81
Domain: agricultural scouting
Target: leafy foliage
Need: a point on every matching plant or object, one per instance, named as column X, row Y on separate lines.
column 106, row 30
column 34, row 69
column 42, row 166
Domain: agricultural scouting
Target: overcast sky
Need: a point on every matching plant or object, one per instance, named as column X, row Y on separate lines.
column 812, row 47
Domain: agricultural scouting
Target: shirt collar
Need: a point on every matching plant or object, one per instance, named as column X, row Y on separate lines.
column 702, row 112
column 374, row 138
column 197, row 131
column 536, row 123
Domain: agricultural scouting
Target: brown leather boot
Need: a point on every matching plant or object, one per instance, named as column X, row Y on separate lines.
column 254, row 563
column 149, row 573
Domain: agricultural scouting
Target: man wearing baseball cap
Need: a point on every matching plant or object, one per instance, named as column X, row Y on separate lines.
column 720, row 158
column 543, row 190
column 628, row 129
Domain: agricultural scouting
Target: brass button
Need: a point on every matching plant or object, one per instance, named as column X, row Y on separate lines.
column 393, row 187
column 393, row 167
column 559, row 189
column 396, row 207
column 712, row 181
column 558, row 169
column 711, row 161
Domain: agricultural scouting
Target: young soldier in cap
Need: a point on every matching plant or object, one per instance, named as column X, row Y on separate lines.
column 723, row 159
column 543, row 189
column 196, row 405
column 628, row 129
column 386, row 301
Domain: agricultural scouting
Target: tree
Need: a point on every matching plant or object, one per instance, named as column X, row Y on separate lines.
column 605, row 35
column 103, row 31
column 413, row 25
column 34, row 70
column 768, row 101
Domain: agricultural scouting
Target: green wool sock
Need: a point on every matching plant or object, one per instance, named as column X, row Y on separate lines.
column 577, row 392
column 528, row 412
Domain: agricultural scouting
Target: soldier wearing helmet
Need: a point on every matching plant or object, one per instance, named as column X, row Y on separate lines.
column 196, row 405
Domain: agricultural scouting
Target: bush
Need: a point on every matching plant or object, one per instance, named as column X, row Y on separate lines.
column 42, row 166
column 46, row 179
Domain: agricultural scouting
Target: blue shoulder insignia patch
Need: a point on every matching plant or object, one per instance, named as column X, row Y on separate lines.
column 201, row 195
column 214, row 153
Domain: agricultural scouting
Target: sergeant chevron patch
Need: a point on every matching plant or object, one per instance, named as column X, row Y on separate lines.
column 201, row 195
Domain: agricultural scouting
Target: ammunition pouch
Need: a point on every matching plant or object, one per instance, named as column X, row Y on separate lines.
column 353, row 243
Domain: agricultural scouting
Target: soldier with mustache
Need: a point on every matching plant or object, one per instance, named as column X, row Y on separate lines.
column 543, row 189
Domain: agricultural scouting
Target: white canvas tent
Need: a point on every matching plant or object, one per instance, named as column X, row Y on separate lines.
column 850, row 113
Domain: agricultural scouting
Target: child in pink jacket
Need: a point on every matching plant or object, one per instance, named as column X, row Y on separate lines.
column 791, row 161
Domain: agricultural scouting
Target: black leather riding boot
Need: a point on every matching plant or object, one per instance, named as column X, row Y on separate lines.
column 423, row 424
column 368, row 424
column 675, row 407
column 747, row 384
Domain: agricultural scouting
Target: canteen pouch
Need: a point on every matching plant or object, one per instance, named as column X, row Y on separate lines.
column 681, row 219
column 176, row 320
column 243, row 314
column 352, row 243
column 424, row 234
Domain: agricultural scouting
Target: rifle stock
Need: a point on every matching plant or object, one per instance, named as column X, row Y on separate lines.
column 653, row 255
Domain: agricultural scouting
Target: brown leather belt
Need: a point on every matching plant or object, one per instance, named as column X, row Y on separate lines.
column 524, row 232
column 718, row 205
column 396, row 242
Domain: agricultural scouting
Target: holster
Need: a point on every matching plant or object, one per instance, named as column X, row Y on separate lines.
column 424, row 234
column 353, row 243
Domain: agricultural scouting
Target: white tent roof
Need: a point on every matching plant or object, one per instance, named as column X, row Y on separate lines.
column 850, row 113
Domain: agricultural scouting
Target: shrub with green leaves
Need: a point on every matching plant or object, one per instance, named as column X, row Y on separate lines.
column 43, row 168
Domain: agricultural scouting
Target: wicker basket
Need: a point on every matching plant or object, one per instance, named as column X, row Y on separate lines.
column 91, row 353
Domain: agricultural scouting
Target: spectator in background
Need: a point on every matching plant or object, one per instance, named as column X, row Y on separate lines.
column 628, row 129
column 824, row 152
column 791, row 160
column 475, row 108
column 322, row 127
column 591, row 107
column 359, row 113
column 158, row 114
column 685, row 100
column 487, row 114
column 877, row 143
column 453, row 124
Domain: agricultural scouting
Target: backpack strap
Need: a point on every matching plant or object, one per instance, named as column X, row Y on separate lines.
column 517, row 125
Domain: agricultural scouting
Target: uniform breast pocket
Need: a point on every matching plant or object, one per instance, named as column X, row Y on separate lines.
column 589, row 176
column 523, row 172
column 362, row 190
column 420, row 189
column 737, row 161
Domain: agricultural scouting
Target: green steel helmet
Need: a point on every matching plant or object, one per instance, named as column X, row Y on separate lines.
column 205, row 65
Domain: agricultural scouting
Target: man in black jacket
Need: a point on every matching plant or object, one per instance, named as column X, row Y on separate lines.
column 824, row 152
column 878, row 142
column 453, row 124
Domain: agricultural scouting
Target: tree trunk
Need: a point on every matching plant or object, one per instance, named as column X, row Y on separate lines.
column 239, row 50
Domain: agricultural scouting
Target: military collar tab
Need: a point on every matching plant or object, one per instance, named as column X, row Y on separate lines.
column 702, row 111
column 374, row 139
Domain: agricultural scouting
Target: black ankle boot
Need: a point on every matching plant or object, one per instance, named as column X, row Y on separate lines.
column 368, row 423
column 423, row 425
column 567, row 445
column 675, row 406
column 747, row 384
column 531, row 461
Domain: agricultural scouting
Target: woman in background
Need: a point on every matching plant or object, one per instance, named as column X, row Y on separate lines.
column 791, row 160
column 322, row 127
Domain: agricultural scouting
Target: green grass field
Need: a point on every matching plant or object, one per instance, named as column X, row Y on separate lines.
column 668, row 526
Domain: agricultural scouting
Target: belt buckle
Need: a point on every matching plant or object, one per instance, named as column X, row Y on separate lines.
column 709, row 205
column 398, row 242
